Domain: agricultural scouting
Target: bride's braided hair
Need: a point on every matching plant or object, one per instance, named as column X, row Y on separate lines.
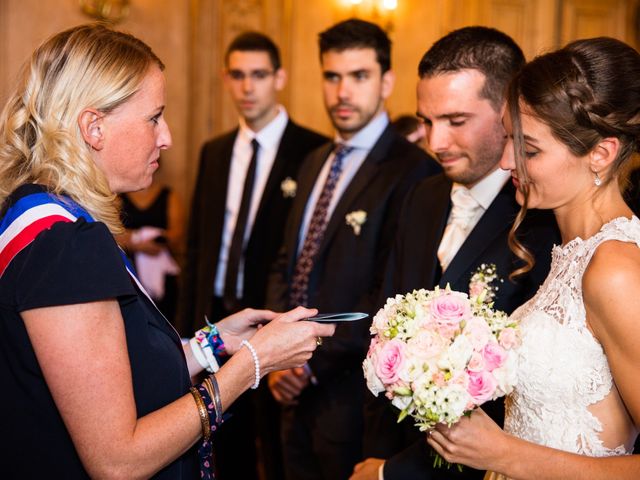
column 585, row 92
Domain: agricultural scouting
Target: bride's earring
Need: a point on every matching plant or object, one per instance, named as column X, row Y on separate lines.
column 597, row 181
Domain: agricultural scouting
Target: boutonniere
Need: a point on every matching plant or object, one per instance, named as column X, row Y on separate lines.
column 289, row 187
column 356, row 219
column 485, row 283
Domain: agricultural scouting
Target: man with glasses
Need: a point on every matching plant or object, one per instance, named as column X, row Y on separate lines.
column 243, row 192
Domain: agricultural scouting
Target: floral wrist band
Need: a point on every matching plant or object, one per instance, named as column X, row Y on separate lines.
column 208, row 347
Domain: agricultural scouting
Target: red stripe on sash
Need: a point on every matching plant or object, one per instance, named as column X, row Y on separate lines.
column 25, row 237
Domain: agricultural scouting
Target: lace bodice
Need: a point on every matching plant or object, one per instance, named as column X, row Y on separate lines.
column 562, row 367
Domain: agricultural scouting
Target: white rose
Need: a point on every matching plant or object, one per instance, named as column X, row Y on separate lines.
column 457, row 356
column 506, row 375
column 373, row 382
column 412, row 367
column 401, row 401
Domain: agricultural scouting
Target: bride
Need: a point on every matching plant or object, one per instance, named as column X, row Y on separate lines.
column 573, row 123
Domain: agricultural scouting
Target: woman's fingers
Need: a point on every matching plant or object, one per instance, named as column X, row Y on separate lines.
column 296, row 314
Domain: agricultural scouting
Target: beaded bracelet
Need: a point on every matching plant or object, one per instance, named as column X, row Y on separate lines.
column 256, row 362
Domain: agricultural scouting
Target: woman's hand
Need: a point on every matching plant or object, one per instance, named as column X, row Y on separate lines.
column 242, row 326
column 476, row 441
column 287, row 342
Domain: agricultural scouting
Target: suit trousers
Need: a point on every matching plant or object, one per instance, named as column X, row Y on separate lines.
column 322, row 434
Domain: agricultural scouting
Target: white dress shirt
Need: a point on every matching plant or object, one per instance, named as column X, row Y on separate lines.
column 484, row 193
column 269, row 139
column 362, row 142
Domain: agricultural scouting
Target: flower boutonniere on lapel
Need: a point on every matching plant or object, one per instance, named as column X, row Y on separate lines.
column 485, row 283
column 289, row 187
column 356, row 219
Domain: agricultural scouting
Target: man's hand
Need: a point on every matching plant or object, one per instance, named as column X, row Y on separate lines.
column 287, row 385
column 367, row 470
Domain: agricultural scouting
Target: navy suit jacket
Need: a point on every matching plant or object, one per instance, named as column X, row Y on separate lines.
column 413, row 264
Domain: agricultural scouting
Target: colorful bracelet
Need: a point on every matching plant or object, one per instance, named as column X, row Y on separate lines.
column 208, row 347
column 205, row 357
column 256, row 362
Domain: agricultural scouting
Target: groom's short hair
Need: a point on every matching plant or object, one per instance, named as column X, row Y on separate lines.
column 492, row 52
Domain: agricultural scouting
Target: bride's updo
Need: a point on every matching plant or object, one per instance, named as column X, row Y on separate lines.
column 585, row 92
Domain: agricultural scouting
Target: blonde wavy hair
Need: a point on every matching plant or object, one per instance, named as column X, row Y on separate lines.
column 88, row 66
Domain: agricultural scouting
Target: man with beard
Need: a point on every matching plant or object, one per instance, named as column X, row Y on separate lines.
column 243, row 193
column 453, row 223
column 336, row 244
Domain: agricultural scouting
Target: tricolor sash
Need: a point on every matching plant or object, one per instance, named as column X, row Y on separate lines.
column 35, row 213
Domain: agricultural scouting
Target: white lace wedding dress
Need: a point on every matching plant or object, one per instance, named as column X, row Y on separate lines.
column 562, row 368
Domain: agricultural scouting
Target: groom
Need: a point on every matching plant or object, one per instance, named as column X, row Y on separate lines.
column 452, row 224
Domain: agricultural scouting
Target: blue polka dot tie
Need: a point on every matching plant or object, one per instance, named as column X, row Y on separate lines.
column 298, row 294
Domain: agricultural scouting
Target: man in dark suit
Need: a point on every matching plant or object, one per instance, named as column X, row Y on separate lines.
column 453, row 223
column 336, row 244
column 244, row 189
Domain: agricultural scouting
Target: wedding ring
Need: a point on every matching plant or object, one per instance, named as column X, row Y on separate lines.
column 318, row 341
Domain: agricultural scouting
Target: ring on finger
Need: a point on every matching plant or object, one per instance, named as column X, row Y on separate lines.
column 318, row 341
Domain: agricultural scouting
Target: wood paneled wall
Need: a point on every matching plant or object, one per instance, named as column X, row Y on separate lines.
column 191, row 35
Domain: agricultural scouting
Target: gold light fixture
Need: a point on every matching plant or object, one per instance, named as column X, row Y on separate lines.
column 111, row 11
column 381, row 12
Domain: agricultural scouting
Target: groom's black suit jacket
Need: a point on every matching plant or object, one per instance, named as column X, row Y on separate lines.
column 206, row 224
column 413, row 264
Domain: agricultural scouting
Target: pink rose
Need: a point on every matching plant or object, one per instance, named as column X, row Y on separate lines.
column 389, row 359
column 476, row 363
column 449, row 310
column 427, row 344
column 478, row 332
column 508, row 338
column 476, row 288
column 494, row 356
column 481, row 386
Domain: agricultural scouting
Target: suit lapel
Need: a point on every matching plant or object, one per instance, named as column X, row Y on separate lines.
column 433, row 229
column 495, row 220
column 360, row 181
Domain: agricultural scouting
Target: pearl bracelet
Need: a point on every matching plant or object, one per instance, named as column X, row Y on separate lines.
column 256, row 362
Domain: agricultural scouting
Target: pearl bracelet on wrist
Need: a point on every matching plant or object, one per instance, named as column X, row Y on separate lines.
column 256, row 362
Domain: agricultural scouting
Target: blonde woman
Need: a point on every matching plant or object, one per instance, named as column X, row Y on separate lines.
column 95, row 381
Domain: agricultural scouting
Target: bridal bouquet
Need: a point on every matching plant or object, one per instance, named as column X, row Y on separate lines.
column 439, row 354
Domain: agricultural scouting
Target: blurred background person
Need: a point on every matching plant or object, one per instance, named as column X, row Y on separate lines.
column 411, row 128
column 338, row 236
column 244, row 190
column 154, row 221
